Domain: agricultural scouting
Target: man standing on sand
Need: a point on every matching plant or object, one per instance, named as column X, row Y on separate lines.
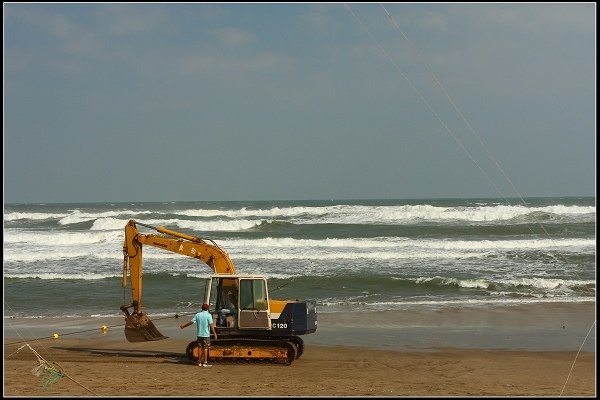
column 204, row 324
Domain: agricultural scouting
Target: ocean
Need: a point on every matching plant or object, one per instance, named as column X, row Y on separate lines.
column 65, row 260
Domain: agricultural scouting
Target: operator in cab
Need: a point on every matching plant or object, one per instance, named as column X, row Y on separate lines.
column 229, row 308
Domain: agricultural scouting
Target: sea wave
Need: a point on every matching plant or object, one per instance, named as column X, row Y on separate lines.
column 198, row 226
column 28, row 246
column 356, row 254
column 169, row 292
column 370, row 284
column 244, row 218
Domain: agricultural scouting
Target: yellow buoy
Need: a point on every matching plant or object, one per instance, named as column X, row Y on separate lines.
column 55, row 336
column 104, row 328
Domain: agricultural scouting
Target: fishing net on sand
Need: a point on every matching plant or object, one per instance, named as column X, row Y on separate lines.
column 44, row 370
column 49, row 375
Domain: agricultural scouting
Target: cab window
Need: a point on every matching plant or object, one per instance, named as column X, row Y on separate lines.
column 253, row 294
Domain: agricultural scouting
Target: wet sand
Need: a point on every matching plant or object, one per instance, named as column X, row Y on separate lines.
column 517, row 351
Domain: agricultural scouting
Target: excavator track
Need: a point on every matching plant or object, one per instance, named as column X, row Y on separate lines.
column 299, row 343
column 246, row 351
column 295, row 340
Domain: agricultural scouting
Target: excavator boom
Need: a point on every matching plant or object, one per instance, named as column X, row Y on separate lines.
column 138, row 326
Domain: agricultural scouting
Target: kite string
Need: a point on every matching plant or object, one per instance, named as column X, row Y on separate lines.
column 456, row 108
column 460, row 113
column 427, row 104
column 577, row 355
column 475, row 134
column 469, row 125
column 454, row 105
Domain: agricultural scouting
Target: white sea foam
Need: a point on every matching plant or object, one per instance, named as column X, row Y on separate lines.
column 34, row 216
column 86, row 276
column 188, row 225
column 393, row 213
column 538, row 283
column 59, row 238
column 401, row 243
column 47, row 245
column 36, row 239
column 481, row 252
column 336, row 306
column 341, row 214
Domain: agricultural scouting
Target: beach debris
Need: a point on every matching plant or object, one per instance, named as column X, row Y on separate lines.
column 50, row 375
column 44, row 369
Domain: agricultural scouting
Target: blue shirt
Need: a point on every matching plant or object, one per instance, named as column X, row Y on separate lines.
column 203, row 321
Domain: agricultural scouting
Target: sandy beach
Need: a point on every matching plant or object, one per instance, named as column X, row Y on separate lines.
column 105, row 364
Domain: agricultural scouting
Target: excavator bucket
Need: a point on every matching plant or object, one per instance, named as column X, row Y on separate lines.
column 139, row 328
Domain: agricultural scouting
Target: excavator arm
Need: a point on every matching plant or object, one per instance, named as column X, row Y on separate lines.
column 138, row 326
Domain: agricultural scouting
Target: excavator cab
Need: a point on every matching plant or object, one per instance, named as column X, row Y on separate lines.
column 250, row 299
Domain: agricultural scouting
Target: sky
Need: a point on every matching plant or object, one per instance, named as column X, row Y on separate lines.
column 143, row 102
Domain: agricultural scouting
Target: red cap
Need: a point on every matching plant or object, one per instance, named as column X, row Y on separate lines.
column 205, row 306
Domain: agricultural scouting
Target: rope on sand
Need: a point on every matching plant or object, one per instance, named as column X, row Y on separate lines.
column 50, row 374
column 577, row 355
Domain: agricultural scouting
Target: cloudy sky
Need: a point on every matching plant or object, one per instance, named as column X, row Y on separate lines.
column 186, row 102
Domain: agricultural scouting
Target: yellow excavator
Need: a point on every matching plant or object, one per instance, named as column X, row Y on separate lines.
column 260, row 329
